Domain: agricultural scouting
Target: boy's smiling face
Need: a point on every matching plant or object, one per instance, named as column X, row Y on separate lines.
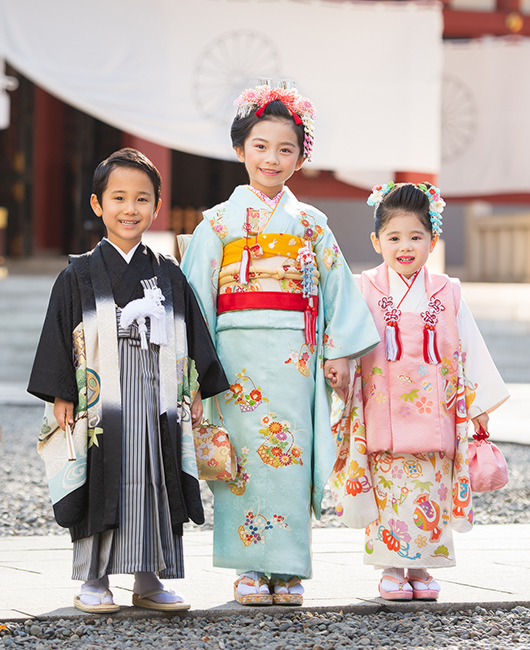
column 128, row 206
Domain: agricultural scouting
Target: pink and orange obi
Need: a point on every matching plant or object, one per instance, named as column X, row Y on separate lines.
column 410, row 379
column 270, row 271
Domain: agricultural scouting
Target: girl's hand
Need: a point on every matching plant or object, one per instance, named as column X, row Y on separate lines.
column 337, row 372
column 63, row 411
column 481, row 420
column 196, row 410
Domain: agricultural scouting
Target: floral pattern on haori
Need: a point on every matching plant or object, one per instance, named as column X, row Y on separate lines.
column 279, row 449
column 255, row 526
column 302, row 359
column 218, row 224
column 239, row 484
column 331, row 257
column 311, row 229
column 244, row 393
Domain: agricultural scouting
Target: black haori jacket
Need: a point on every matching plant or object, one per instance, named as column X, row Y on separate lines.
column 77, row 361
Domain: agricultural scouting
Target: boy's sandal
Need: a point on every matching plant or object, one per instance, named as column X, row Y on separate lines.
column 423, row 594
column 286, row 598
column 144, row 601
column 256, row 598
column 99, row 608
column 395, row 594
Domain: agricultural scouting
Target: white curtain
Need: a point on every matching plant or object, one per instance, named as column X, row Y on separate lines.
column 485, row 118
column 169, row 70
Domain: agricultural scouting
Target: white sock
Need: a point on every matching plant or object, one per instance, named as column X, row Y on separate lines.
column 245, row 590
column 422, row 574
column 280, row 589
column 100, row 585
column 145, row 581
column 398, row 574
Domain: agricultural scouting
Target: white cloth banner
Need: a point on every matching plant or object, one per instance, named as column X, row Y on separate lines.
column 485, row 123
column 169, row 70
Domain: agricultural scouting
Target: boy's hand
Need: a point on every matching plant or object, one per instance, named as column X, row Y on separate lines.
column 196, row 410
column 337, row 372
column 481, row 421
column 63, row 411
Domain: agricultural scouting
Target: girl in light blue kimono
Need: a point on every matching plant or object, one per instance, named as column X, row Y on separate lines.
column 285, row 314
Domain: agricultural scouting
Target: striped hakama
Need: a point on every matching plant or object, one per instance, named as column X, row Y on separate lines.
column 144, row 540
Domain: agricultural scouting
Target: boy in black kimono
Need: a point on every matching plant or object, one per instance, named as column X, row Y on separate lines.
column 124, row 357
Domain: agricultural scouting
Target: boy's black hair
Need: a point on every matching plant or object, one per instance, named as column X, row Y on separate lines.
column 403, row 197
column 125, row 158
column 276, row 110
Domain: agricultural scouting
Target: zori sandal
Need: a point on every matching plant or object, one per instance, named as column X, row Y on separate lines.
column 98, row 608
column 395, row 594
column 147, row 601
column 427, row 589
column 255, row 595
column 287, row 593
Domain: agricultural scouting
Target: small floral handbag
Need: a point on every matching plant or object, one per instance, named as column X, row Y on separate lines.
column 215, row 452
column 487, row 466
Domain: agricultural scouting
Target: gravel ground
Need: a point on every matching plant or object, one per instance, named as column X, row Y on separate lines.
column 25, row 506
column 25, row 510
column 475, row 628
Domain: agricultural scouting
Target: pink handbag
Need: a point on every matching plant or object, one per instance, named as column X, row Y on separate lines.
column 487, row 466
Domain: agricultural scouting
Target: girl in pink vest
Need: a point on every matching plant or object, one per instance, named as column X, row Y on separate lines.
column 420, row 386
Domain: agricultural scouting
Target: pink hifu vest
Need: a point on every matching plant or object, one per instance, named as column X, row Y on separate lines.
column 410, row 404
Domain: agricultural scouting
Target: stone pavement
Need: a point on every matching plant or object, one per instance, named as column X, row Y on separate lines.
column 493, row 570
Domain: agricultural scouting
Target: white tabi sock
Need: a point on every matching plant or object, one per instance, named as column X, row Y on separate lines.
column 100, row 585
column 146, row 581
column 245, row 590
column 398, row 574
column 422, row 574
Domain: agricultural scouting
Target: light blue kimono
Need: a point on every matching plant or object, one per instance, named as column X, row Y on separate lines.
column 277, row 410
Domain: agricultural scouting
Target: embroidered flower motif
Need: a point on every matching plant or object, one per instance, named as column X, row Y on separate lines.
column 445, row 467
column 397, row 472
column 423, row 370
column 442, row 491
column 421, row 541
column 219, row 438
column 404, row 411
column 204, row 451
column 380, row 398
column 247, row 401
column 278, row 450
column 438, row 476
column 424, row 405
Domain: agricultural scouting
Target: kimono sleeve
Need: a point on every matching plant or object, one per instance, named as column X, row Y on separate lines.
column 53, row 373
column 211, row 376
column 484, row 388
column 349, row 329
column 200, row 264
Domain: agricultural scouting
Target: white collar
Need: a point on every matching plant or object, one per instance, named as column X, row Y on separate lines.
column 126, row 256
column 398, row 287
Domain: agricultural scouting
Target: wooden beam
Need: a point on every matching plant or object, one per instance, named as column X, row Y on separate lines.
column 474, row 24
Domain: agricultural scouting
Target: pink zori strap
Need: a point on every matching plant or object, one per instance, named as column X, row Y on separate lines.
column 262, row 300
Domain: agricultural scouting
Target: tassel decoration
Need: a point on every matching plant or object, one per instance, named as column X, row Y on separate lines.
column 244, row 268
column 310, row 323
column 392, row 342
column 430, row 350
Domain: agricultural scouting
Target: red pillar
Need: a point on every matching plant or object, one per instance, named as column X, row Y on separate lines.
column 160, row 156
column 415, row 177
column 49, row 230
